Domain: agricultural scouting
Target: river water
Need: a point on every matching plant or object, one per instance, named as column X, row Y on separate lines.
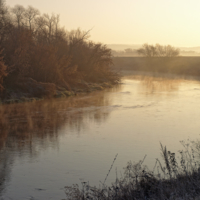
column 47, row 145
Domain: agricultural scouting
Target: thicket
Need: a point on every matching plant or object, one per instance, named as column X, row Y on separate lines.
column 34, row 46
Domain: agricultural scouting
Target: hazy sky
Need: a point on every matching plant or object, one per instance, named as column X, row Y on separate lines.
column 175, row 22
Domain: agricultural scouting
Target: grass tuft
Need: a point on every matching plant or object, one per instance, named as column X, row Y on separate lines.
column 171, row 178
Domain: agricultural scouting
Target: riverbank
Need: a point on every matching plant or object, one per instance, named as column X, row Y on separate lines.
column 27, row 90
column 176, row 178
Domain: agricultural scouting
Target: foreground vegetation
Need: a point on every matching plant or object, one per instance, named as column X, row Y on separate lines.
column 169, row 179
column 39, row 58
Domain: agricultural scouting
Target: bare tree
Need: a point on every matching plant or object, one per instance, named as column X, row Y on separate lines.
column 78, row 36
column 3, row 9
column 30, row 15
column 5, row 22
column 40, row 23
column 147, row 50
column 56, row 22
column 49, row 22
column 18, row 12
column 158, row 51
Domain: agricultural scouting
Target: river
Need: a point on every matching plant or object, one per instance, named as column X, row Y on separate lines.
column 50, row 144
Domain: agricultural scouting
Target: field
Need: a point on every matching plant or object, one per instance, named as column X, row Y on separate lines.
column 177, row 65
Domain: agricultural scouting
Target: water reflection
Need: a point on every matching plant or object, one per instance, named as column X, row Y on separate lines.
column 28, row 128
column 156, row 84
column 159, row 86
column 140, row 120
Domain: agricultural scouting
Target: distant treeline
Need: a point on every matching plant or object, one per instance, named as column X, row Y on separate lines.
column 178, row 65
column 125, row 53
column 35, row 47
column 130, row 52
column 162, row 59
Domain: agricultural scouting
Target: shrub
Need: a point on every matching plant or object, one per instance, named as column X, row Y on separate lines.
column 3, row 73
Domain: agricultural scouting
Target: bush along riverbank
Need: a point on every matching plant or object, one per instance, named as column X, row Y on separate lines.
column 27, row 90
column 169, row 179
column 39, row 58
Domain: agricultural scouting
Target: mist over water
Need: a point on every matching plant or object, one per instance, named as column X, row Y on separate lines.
column 47, row 145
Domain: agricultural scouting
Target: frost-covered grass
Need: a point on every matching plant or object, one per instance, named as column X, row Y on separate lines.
column 174, row 177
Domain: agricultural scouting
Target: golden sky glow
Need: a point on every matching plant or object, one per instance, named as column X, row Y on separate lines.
column 175, row 22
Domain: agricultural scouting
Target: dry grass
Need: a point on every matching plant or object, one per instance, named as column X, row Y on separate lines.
column 170, row 179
